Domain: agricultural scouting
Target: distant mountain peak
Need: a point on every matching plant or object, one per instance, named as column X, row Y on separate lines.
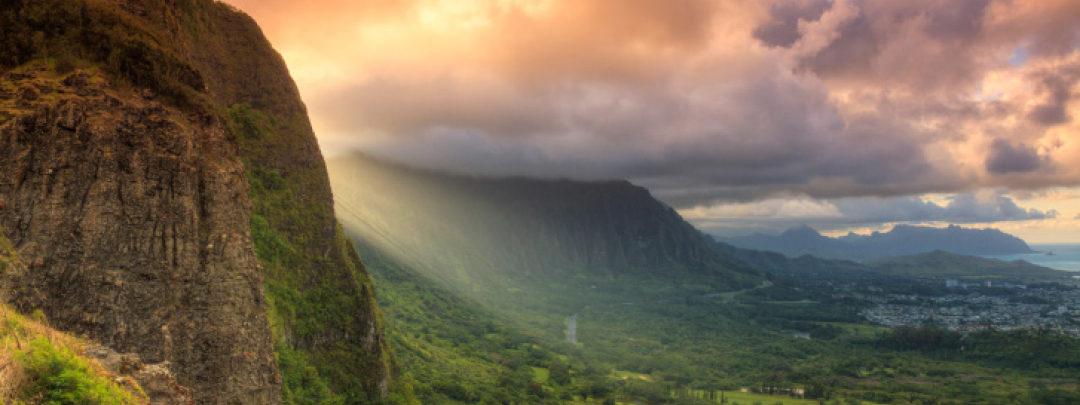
column 900, row 240
column 802, row 230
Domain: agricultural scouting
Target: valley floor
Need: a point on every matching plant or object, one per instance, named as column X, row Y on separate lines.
column 648, row 342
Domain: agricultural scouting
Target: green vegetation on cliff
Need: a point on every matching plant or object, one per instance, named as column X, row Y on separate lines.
column 213, row 62
column 306, row 308
column 97, row 33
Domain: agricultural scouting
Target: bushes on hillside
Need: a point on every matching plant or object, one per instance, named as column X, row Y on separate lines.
column 94, row 32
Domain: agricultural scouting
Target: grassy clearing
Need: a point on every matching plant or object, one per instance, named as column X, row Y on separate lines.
column 750, row 398
column 541, row 374
column 630, row 375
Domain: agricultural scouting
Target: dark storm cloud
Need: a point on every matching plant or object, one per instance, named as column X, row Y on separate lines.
column 762, row 131
column 919, row 43
column 1008, row 158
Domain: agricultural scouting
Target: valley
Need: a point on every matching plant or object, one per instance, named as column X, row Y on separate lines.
column 811, row 328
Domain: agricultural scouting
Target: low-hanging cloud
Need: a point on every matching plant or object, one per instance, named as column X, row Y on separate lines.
column 960, row 208
column 782, row 213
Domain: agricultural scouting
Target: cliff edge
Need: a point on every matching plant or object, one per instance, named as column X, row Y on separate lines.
column 161, row 182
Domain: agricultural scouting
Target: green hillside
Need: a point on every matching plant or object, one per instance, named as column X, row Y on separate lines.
column 453, row 351
column 478, row 278
column 484, row 235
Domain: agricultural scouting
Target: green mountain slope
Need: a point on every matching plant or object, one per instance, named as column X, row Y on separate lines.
column 941, row 264
column 476, row 283
column 933, row 265
column 453, row 351
column 482, row 235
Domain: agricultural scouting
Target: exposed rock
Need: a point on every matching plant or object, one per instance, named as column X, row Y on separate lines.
column 261, row 79
column 133, row 219
column 27, row 94
column 155, row 380
column 132, row 205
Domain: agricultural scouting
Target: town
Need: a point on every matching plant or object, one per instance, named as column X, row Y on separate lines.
column 982, row 306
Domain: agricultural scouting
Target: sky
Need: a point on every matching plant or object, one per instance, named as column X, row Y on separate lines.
column 746, row 116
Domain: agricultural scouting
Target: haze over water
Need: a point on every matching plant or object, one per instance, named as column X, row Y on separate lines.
column 1065, row 257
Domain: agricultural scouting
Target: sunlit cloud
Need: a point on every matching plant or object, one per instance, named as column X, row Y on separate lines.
column 709, row 104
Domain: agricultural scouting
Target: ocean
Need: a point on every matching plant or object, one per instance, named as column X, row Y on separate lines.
column 1065, row 257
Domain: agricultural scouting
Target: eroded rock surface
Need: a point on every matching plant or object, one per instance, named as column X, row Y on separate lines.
column 133, row 220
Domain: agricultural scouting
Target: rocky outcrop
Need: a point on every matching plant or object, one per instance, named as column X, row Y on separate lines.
column 156, row 381
column 336, row 321
column 137, row 204
column 133, row 220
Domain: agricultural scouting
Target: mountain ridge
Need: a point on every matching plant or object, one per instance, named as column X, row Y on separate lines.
column 900, row 240
column 608, row 229
column 937, row 264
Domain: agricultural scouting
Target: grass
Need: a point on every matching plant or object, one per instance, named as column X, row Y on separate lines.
column 39, row 365
column 541, row 374
column 43, row 366
column 750, row 398
column 630, row 375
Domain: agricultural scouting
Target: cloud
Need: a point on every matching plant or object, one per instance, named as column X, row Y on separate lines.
column 845, row 213
column 1057, row 85
column 960, row 208
column 704, row 102
column 1007, row 158
column 782, row 26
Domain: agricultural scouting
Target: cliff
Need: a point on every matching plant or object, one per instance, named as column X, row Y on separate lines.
column 160, row 179
column 39, row 363
column 474, row 232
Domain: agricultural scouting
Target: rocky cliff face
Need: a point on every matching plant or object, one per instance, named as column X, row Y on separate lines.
column 145, row 188
column 323, row 299
column 133, row 219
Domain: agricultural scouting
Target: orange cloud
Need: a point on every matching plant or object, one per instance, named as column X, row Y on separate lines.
column 702, row 101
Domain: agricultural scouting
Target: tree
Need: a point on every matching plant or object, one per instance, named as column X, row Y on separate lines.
column 560, row 373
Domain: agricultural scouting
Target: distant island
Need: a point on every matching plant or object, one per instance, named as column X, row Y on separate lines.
column 901, row 240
